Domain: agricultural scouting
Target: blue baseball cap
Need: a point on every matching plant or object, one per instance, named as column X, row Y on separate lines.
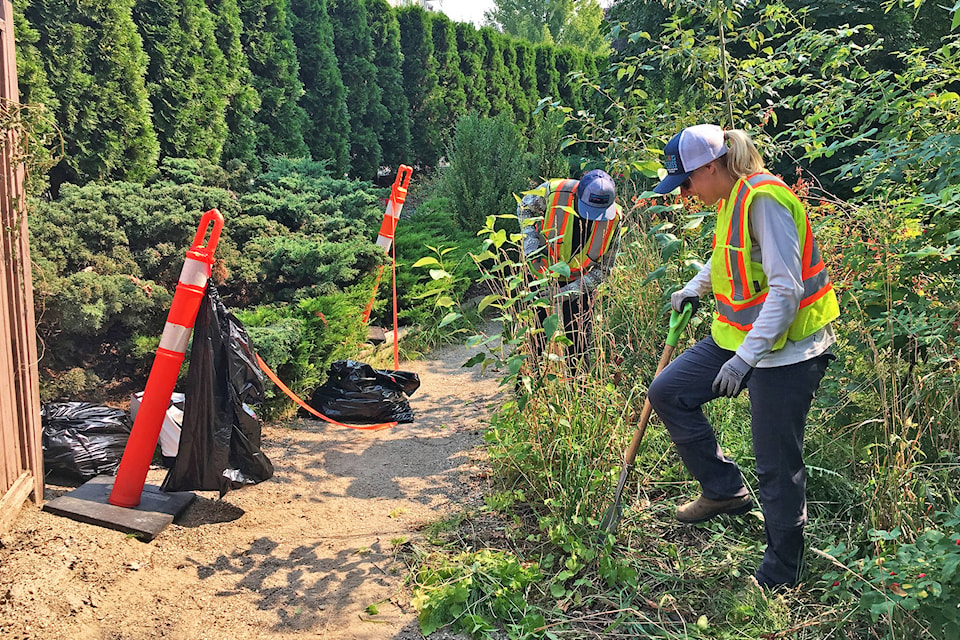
column 596, row 195
column 689, row 150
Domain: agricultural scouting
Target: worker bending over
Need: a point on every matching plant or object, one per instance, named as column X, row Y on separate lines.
column 576, row 222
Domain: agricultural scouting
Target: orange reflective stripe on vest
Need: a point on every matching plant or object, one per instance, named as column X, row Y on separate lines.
column 560, row 196
column 741, row 287
column 560, row 201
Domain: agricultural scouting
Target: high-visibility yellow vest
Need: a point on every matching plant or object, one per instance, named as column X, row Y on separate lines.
column 740, row 285
column 560, row 196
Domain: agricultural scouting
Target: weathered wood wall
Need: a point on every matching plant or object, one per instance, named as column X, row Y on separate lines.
column 21, row 456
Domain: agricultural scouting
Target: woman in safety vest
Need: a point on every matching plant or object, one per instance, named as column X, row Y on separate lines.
column 771, row 334
column 576, row 222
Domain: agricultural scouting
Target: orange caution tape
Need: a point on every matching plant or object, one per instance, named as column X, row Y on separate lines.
column 273, row 377
column 366, row 312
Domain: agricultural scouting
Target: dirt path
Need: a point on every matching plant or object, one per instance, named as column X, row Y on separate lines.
column 303, row 555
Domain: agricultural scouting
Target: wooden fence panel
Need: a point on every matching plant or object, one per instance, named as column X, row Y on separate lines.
column 21, row 456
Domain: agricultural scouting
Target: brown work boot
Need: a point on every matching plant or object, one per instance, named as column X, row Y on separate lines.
column 702, row 509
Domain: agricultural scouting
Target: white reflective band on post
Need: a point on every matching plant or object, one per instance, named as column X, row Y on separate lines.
column 175, row 337
column 392, row 209
column 195, row 273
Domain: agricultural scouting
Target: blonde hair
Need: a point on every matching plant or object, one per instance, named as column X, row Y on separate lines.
column 742, row 158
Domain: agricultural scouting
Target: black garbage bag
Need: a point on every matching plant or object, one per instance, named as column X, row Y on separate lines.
column 82, row 440
column 220, row 435
column 356, row 392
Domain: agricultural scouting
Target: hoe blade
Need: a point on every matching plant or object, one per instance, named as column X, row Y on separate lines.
column 611, row 519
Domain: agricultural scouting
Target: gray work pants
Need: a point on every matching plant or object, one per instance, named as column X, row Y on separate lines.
column 780, row 398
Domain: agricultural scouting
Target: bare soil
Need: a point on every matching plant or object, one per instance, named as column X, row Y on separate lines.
column 310, row 553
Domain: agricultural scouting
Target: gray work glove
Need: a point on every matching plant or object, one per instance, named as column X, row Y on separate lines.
column 732, row 378
column 571, row 290
column 679, row 298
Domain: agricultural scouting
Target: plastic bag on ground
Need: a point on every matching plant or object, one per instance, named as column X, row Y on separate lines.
column 357, row 393
column 220, row 435
column 169, row 430
column 82, row 440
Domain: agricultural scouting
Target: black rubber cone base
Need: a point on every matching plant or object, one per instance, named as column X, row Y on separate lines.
column 88, row 503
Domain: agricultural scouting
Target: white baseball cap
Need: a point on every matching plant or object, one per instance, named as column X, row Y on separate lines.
column 689, row 150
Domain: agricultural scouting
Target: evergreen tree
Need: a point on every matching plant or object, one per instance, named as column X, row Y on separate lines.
column 471, row 50
column 395, row 138
column 94, row 62
column 592, row 100
column 568, row 61
column 31, row 77
column 495, row 71
column 354, row 49
column 420, row 83
column 40, row 103
column 548, row 79
column 487, row 166
column 272, row 56
column 516, row 96
column 327, row 131
column 184, row 73
column 451, row 96
column 242, row 98
column 527, row 72
column 546, row 145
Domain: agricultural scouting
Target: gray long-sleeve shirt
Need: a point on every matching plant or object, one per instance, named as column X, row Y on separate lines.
column 775, row 245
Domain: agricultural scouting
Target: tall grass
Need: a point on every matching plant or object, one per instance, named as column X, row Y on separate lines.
column 892, row 428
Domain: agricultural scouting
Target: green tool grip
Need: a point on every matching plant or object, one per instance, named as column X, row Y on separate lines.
column 678, row 321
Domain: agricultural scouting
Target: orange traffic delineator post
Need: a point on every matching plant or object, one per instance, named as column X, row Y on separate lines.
column 398, row 194
column 132, row 472
column 388, row 227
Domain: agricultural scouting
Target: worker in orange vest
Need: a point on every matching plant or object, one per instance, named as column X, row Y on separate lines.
column 576, row 222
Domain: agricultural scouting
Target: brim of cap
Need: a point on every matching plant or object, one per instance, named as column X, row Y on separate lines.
column 671, row 182
column 593, row 214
